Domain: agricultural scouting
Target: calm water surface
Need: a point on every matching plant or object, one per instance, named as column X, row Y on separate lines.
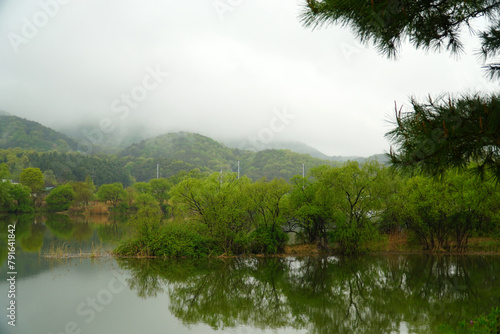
column 369, row 294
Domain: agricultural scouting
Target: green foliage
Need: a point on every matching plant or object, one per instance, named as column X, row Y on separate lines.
column 15, row 198
column 277, row 164
column 443, row 213
column 267, row 240
column 4, row 172
column 219, row 204
column 84, row 191
column 144, row 200
column 180, row 240
column 154, row 238
column 120, row 208
column 484, row 324
column 307, row 213
column 22, row 133
column 183, row 152
column 21, row 197
column 32, row 178
column 60, row 198
column 266, row 199
column 351, row 199
column 340, row 208
column 113, row 193
column 142, row 187
column 216, row 215
column 67, row 166
column 159, row 189
column 452, row 133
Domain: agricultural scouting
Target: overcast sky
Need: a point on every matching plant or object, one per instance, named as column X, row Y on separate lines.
column 222, row 68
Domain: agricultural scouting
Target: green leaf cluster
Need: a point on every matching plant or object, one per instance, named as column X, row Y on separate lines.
column 60, row 198
column 15, row 198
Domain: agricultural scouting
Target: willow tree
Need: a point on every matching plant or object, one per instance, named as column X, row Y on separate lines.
column 433, row 134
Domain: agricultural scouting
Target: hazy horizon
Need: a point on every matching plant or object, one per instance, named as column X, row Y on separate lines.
column 221, row 69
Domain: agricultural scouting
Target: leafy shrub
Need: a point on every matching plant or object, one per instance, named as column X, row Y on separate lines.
column 60, row 198
column 180, row 240
column 154, row 238
column 120, row 208
column 266, row 240
column 484, row 324
column 352, row 239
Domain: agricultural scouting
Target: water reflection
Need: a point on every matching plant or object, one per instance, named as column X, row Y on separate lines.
column 41, row 234
column 323, row 295
column 34, row 231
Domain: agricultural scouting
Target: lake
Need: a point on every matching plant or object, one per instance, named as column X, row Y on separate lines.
column 322, row 294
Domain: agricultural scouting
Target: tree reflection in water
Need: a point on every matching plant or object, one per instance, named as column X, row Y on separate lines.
column 370, row 294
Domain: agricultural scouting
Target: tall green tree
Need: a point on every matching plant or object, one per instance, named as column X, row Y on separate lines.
column 160, row 191
column 15, row 197
column 32, row 178
column 113, row 193
column 267, row 202
column 267, row 211
column 218, row 202
column 84, row 191
column 60, row 198
column 308, row 217
column 142, row 187
column 353, row 197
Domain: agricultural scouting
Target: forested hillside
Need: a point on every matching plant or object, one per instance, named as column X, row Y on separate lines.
column 22, row 133
column 25, row 143
column 65, row 167
column 174, row 152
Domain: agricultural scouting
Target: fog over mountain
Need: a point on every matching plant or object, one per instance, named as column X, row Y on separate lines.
column 231, row 70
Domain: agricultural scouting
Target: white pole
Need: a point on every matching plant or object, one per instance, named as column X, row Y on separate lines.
column 238, row 169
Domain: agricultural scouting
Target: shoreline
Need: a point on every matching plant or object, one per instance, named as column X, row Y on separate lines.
column 293, row 253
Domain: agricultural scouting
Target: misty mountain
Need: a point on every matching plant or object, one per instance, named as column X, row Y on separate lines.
column 110, row 141
column 166, row 154
column 300, row 148
column 30, row 135
column 180, row 146
column 174, row 152
column 276, row 145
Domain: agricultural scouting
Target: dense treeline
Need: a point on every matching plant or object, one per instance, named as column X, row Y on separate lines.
column 345, row 209
column 66, row 167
